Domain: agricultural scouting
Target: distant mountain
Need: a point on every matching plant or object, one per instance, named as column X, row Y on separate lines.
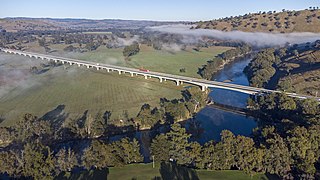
column 284, row 22
column 23, row 23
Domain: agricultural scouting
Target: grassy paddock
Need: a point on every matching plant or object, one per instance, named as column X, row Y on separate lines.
column 81, row 89
column 146, row 172
column 160, row 61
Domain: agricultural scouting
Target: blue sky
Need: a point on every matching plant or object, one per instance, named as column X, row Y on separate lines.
column 145, row 9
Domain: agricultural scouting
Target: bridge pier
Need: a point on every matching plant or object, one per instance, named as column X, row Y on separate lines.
column 97, row 68
column 145, row 77
column 203, row 88
column 88, row 66
column 160, row 80
column 119, row 72
column 79, row 65
column 131, row 74
column 178, row 83
column 108, row 70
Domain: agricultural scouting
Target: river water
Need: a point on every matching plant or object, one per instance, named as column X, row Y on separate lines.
column 212, row 120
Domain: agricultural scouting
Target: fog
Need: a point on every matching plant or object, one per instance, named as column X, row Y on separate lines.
column 14, row 73
column 258, row 39
column 127, row 42
column 173, row 47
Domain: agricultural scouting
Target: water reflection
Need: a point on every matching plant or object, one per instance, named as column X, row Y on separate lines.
column 213, row 120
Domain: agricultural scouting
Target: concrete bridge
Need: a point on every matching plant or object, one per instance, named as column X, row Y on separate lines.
column 204, row 84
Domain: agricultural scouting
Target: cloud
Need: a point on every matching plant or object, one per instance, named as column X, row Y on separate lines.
column 258, row 39
column 127, row 42
column 171, row 47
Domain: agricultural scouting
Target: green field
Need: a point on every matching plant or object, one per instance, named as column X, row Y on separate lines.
column 81, row 89
column 146, row 172
column 154, row 60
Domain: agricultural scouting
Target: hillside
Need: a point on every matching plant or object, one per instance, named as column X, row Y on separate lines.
column 293, row 69
column 284, row 22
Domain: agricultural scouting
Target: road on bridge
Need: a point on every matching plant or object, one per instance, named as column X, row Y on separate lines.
column 161, row 76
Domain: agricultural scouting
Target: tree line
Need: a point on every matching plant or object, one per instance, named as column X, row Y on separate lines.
column 268, row 61
column 286, row 143
column 212, row 66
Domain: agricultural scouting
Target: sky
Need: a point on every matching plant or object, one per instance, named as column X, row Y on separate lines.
column 161, row 10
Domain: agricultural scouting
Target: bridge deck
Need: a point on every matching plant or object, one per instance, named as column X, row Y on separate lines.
column 162, row 76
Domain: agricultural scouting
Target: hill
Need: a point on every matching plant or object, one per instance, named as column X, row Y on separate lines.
column 293, row 69
column 285, row 22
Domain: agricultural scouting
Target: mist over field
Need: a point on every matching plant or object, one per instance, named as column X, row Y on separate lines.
column 14, row 73
column 258, row 39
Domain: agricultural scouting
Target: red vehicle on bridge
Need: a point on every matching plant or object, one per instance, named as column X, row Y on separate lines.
column 144, row 70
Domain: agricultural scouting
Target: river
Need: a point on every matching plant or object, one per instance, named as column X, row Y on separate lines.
column 212, row 120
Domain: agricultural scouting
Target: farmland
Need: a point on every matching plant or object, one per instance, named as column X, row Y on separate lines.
column 167, row 61
column 83, row 89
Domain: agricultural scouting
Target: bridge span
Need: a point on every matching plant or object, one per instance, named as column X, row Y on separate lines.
column 204, row 84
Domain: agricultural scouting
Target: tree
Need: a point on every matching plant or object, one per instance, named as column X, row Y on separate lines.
column 31, row 128
column 42, row 42
column 99, row 155
column 246, row 155
column 99, row 125
column 148, row 117
column 195, row 96
column 65, row 160
column 309, row 106
column 9, row 163
column 128, row 151
column 194, row 153
column 226, row 150
column 179, row 144
column 300, row 149
column 6, row 135
column 286, row 103
column 175, row 110
column 38, row 161
column 209, row 158
column 131, row 50
column 160, row 148
column 277, row 159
